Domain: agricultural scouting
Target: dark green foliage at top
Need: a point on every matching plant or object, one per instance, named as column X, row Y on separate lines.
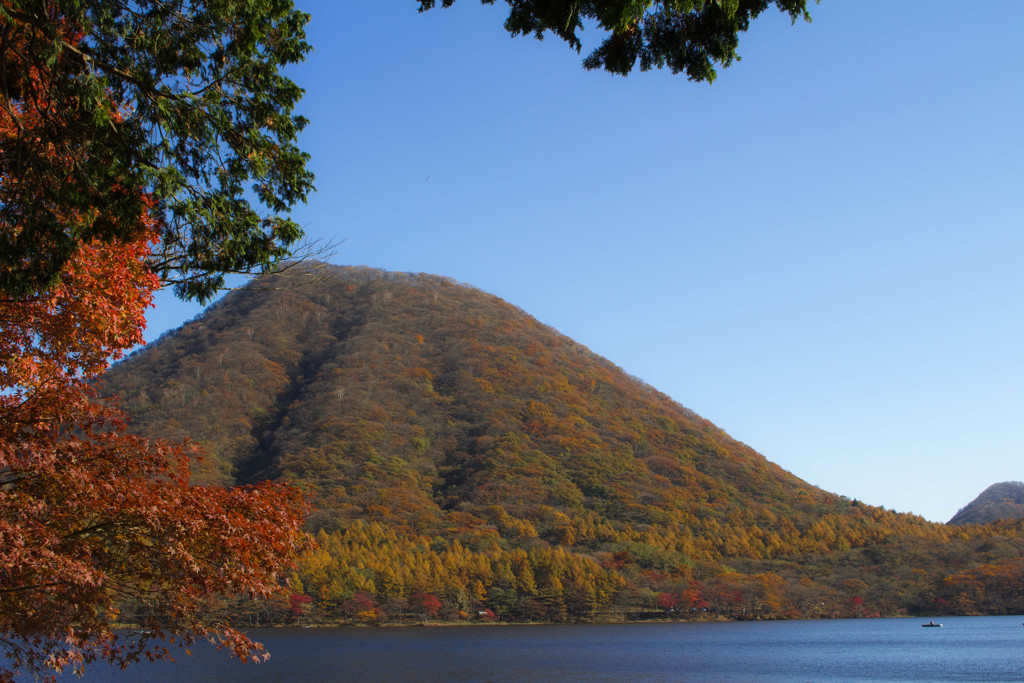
column 999, row 501
column 686, row 36
column 207, row 133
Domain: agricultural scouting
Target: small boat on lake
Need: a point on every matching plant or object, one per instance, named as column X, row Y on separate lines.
column 932, row 624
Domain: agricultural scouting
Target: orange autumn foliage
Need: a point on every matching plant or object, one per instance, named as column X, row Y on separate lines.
column 91, row 516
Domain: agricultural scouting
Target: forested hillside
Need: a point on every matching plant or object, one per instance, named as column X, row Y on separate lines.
column 999, row 501
column 466, row 461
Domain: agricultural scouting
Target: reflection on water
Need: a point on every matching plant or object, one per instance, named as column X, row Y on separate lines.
column 964, row 649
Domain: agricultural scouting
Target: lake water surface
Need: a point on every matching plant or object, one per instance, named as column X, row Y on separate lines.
column 964, row 649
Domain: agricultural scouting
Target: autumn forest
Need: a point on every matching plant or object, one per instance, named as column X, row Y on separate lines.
column 466, row 462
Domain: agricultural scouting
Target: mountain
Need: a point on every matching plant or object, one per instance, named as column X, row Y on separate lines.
column 999, row 501
column 454, row 446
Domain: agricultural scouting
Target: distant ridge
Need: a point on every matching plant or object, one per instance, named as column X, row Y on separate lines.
column 999, row 501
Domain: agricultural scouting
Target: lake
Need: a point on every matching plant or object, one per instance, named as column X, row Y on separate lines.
column 964, row 649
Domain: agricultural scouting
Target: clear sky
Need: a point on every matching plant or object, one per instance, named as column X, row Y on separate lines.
column 821, row 253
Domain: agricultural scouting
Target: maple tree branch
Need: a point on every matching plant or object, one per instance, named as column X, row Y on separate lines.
column 38, row 586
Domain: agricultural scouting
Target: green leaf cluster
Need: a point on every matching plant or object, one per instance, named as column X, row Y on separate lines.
column 685, row 36
column 178, row 107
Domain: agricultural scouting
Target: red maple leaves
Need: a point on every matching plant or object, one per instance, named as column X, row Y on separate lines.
column 94, row 520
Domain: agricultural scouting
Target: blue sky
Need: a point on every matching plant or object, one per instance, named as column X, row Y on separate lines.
column 821, row 252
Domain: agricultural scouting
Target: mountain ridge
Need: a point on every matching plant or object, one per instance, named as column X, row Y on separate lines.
column 1003, row 500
